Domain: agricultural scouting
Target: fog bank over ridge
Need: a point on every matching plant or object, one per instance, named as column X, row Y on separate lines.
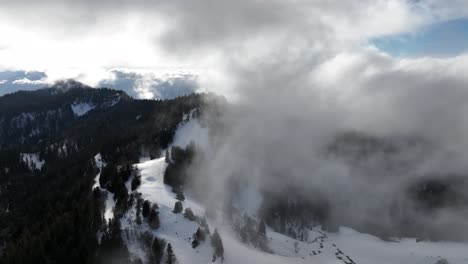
column 301, row 77
column 297, row 94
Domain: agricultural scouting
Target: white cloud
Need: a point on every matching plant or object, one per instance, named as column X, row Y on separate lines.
column 28, row 81
column 152, row 85
column 83, row 39
column 300, row 70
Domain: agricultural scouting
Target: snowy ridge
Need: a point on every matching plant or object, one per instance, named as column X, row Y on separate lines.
column 82, row 108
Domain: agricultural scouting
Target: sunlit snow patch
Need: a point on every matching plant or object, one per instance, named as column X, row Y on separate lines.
column 80, row 109
column 32, row 160
column 190, row 130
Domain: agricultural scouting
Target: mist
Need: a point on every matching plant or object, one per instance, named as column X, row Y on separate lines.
column 356, row 128
column 315, row 109
column 364, row 152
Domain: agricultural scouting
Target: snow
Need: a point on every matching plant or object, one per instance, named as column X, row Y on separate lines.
column 80, row 109
column 190, row 130
column 109, row 206
column 345, row 247
column 175, row 229
column 109, row 203
column 178, row 231
column 21, row 120
column 32, row 160
column 248, row 200
column 99, row 162
column 406, row 251
column 111, row 101
column 321, row 247
column 366, row 249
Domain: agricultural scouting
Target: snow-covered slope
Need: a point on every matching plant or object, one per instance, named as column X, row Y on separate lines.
column 190, row 130
column 346, row 246
column 109, row 202
column 175, row 229
column 178, row 231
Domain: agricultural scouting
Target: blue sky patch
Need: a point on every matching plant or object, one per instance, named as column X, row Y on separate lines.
column 441, row 39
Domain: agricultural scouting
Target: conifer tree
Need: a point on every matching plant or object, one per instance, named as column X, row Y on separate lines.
column 262, row 228
column 217, row 245
column 178, row 207
column 158, row 249
column 190, row 215
column 146, row 208
column 171, row 258
column 153, row 219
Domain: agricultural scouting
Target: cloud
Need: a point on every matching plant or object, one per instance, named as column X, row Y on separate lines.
column 138, row 84
column 438, row 39
column 275, row 136
column 28, row 81
column 12, row 81
column 299, row 74
column 150, row 86
column 151, row 34
column 296, row 93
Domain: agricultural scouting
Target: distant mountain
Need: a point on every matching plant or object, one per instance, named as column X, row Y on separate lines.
column 27, row 117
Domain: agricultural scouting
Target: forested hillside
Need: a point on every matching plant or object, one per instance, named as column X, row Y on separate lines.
column 49, row 212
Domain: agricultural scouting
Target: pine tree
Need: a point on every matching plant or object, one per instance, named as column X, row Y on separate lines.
column 136, row 181
column 262, row 228
column 199, row 235
column 190, row 215
column 171, row 258
column 180, row 196
column 146, row 208
column 153, row 220
column 217, row 245
column 195, row 243
column 158, row 249
column 138, row 210
column 178, row 207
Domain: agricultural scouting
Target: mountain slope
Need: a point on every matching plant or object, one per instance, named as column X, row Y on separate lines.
column 345, row 246
column 108, row 179
column 46, row 195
